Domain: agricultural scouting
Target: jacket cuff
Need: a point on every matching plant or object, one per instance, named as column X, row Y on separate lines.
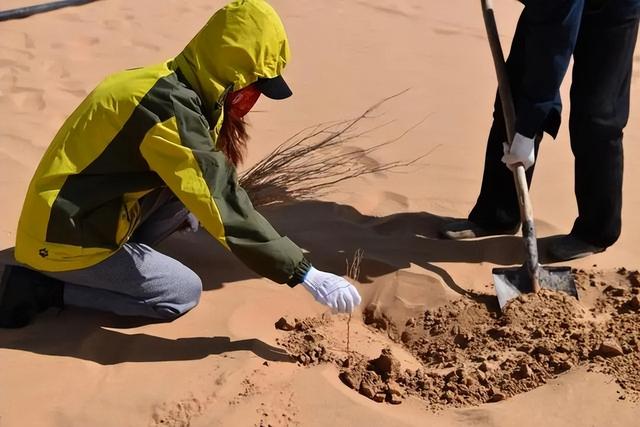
column 299, row 273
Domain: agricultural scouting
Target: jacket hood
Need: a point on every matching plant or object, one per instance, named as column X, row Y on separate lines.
column 242, row 42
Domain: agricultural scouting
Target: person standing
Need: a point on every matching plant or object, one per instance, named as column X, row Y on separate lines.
column 601, row 36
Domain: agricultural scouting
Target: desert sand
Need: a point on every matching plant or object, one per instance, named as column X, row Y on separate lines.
column 225, row 363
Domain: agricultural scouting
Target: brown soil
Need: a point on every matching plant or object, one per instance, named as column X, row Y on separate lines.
column 471, row 353
column 306, row 343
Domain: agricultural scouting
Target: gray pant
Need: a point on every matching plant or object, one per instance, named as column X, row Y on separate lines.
column 138, row 280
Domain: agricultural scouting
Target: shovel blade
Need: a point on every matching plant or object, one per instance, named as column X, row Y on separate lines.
column 510, row 283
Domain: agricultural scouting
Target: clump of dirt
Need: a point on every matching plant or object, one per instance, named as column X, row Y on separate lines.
column 284, row 325
column 471, row 353
column 375, row 317
column 376, row 378
column 306, row 342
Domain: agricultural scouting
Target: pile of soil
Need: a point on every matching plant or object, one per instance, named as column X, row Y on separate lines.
column 376, row 378
column 306, row 343
column 471, row 353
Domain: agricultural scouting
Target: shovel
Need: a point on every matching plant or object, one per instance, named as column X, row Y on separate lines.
column 530, row 277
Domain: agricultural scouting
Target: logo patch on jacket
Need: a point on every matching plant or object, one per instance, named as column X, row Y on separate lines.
column 43, row 252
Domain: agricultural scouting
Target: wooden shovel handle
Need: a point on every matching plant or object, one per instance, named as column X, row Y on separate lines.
column 509, row 111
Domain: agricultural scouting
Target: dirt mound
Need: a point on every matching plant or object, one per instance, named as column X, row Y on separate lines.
column 307, row 342
column 471, row 353
column 376, row 378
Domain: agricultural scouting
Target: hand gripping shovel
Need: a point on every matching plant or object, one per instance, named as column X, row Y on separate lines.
column 512, row 282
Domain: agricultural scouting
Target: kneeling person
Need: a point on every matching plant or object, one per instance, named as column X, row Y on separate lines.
column 151, row 151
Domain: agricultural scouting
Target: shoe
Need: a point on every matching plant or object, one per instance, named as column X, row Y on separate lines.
column 465, row 229
column 570, row 247
column 25, row 293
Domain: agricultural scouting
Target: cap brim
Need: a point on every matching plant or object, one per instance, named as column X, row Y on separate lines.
column 274, row 88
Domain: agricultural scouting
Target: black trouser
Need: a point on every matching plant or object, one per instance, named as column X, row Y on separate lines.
column 603, row 60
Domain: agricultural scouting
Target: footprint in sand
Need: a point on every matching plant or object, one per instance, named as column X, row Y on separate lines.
column 20, row 55
column 27, row 98
column 12, row 65
column 55, row 68
column 280, row 412
column 8, row 80
column 16, row 39
column 177, row 414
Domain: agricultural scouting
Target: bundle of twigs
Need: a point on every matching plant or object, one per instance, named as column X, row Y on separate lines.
column 312, row 161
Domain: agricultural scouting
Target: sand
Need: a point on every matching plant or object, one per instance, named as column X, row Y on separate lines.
column 225, row 363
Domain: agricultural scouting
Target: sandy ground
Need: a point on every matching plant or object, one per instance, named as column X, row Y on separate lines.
column 208, row 368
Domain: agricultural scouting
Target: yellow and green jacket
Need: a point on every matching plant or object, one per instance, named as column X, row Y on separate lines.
column 152, row 127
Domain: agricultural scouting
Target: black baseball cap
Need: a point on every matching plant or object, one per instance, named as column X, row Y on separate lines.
column 274, row 88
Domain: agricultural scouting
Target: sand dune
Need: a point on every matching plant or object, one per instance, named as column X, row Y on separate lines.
column 221, row 364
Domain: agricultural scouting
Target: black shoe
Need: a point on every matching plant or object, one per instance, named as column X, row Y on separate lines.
column 465, row 229
column 25, row 293
column 570, row 247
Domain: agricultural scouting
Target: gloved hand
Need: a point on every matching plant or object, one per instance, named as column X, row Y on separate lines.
column 331, row 290
column 190, row 224
column 521, row 151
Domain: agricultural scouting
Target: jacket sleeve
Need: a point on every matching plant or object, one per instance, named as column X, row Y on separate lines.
column 550, row 38
column 181, row 151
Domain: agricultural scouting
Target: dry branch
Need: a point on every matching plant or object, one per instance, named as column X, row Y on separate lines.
column 312, row 161
column 353, row 269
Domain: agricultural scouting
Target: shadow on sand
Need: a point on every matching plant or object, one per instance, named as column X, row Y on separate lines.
column 330, row 233
column 82, row 334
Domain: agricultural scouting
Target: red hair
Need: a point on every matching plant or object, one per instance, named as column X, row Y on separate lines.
column 233, row 137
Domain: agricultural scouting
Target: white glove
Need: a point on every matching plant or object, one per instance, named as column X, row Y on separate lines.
column 331, row 290
column 521, row 151
column 190, row 224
